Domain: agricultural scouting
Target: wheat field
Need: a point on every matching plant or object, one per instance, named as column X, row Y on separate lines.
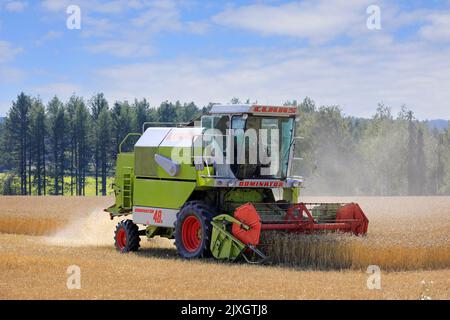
column 41, row 236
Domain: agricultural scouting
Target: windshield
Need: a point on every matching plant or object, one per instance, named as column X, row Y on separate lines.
column 261, row 146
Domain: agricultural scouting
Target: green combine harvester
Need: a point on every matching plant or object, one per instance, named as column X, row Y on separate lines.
column 202, row 185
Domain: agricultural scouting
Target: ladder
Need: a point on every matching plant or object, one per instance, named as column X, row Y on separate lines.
column 126, row 191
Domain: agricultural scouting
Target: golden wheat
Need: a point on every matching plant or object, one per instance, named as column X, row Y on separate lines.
column 404, row 234
column 30, row 225
column 44, row 215
column 31, row 270
column 339, row 251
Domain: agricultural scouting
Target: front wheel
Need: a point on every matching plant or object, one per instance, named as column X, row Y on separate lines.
column 127, row 236
column 193, row 230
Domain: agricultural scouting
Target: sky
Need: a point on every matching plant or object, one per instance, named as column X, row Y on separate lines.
column 337, row 52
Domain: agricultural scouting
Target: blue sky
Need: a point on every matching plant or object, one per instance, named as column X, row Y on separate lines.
column 211, row 51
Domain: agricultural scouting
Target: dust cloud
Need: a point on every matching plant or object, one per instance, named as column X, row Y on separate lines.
column 94, row 229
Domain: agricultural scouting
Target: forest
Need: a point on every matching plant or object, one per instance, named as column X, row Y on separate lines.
column 57, row 148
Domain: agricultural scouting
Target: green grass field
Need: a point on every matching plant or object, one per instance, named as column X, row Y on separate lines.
column 89, row 187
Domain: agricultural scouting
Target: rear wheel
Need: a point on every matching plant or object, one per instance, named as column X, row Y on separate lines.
column 193, row 230
column 127, row 236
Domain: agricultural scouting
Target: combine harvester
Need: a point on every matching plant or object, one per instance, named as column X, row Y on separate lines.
column 173, row 185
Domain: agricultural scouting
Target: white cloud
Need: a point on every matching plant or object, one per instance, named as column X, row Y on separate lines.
column 166, row 16
column 127, row 28
column 438, row 28
column 10, row 75
column 8, row 52
column 355, row 77
column 50, row 35
column 55, row 5
column 123, row 49
column 111, row 7
column 98, row 27
column 158, row 17
column 98, row 6
column 314, row 20
column 15, row 6
column 114, row 6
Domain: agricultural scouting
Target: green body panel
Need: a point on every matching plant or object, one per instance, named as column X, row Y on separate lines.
column 152, row 231
column 123, row 186
column 291, row 194
column 224, row 246
column 146, row 166
column 244, row 195
column 161, row 193
column 186, row 172
column 145, row 163
column 236, row 197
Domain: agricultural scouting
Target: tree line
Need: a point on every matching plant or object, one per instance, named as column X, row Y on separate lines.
column 384, row 155
column 54, row 148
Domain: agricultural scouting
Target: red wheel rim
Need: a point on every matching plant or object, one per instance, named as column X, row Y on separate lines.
column 191, row 233
column 121, row 238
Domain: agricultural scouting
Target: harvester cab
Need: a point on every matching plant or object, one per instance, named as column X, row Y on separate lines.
column 218, row 184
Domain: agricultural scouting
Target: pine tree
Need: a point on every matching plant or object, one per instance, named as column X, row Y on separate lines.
column 82, row 151
column 37, row 140
column 121, row 118
column 167, row 112
column 98, row 104
column 140, row 110
column 70, row 128
column 57, row 134
column 104, row 125
column 17, row 137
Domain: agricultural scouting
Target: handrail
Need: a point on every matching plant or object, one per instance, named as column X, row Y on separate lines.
column 126, row 137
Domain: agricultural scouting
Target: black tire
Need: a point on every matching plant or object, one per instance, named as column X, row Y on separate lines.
column 204, row 214
column 130, row 231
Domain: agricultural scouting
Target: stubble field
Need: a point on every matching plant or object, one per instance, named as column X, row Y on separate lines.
column 40, row 237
